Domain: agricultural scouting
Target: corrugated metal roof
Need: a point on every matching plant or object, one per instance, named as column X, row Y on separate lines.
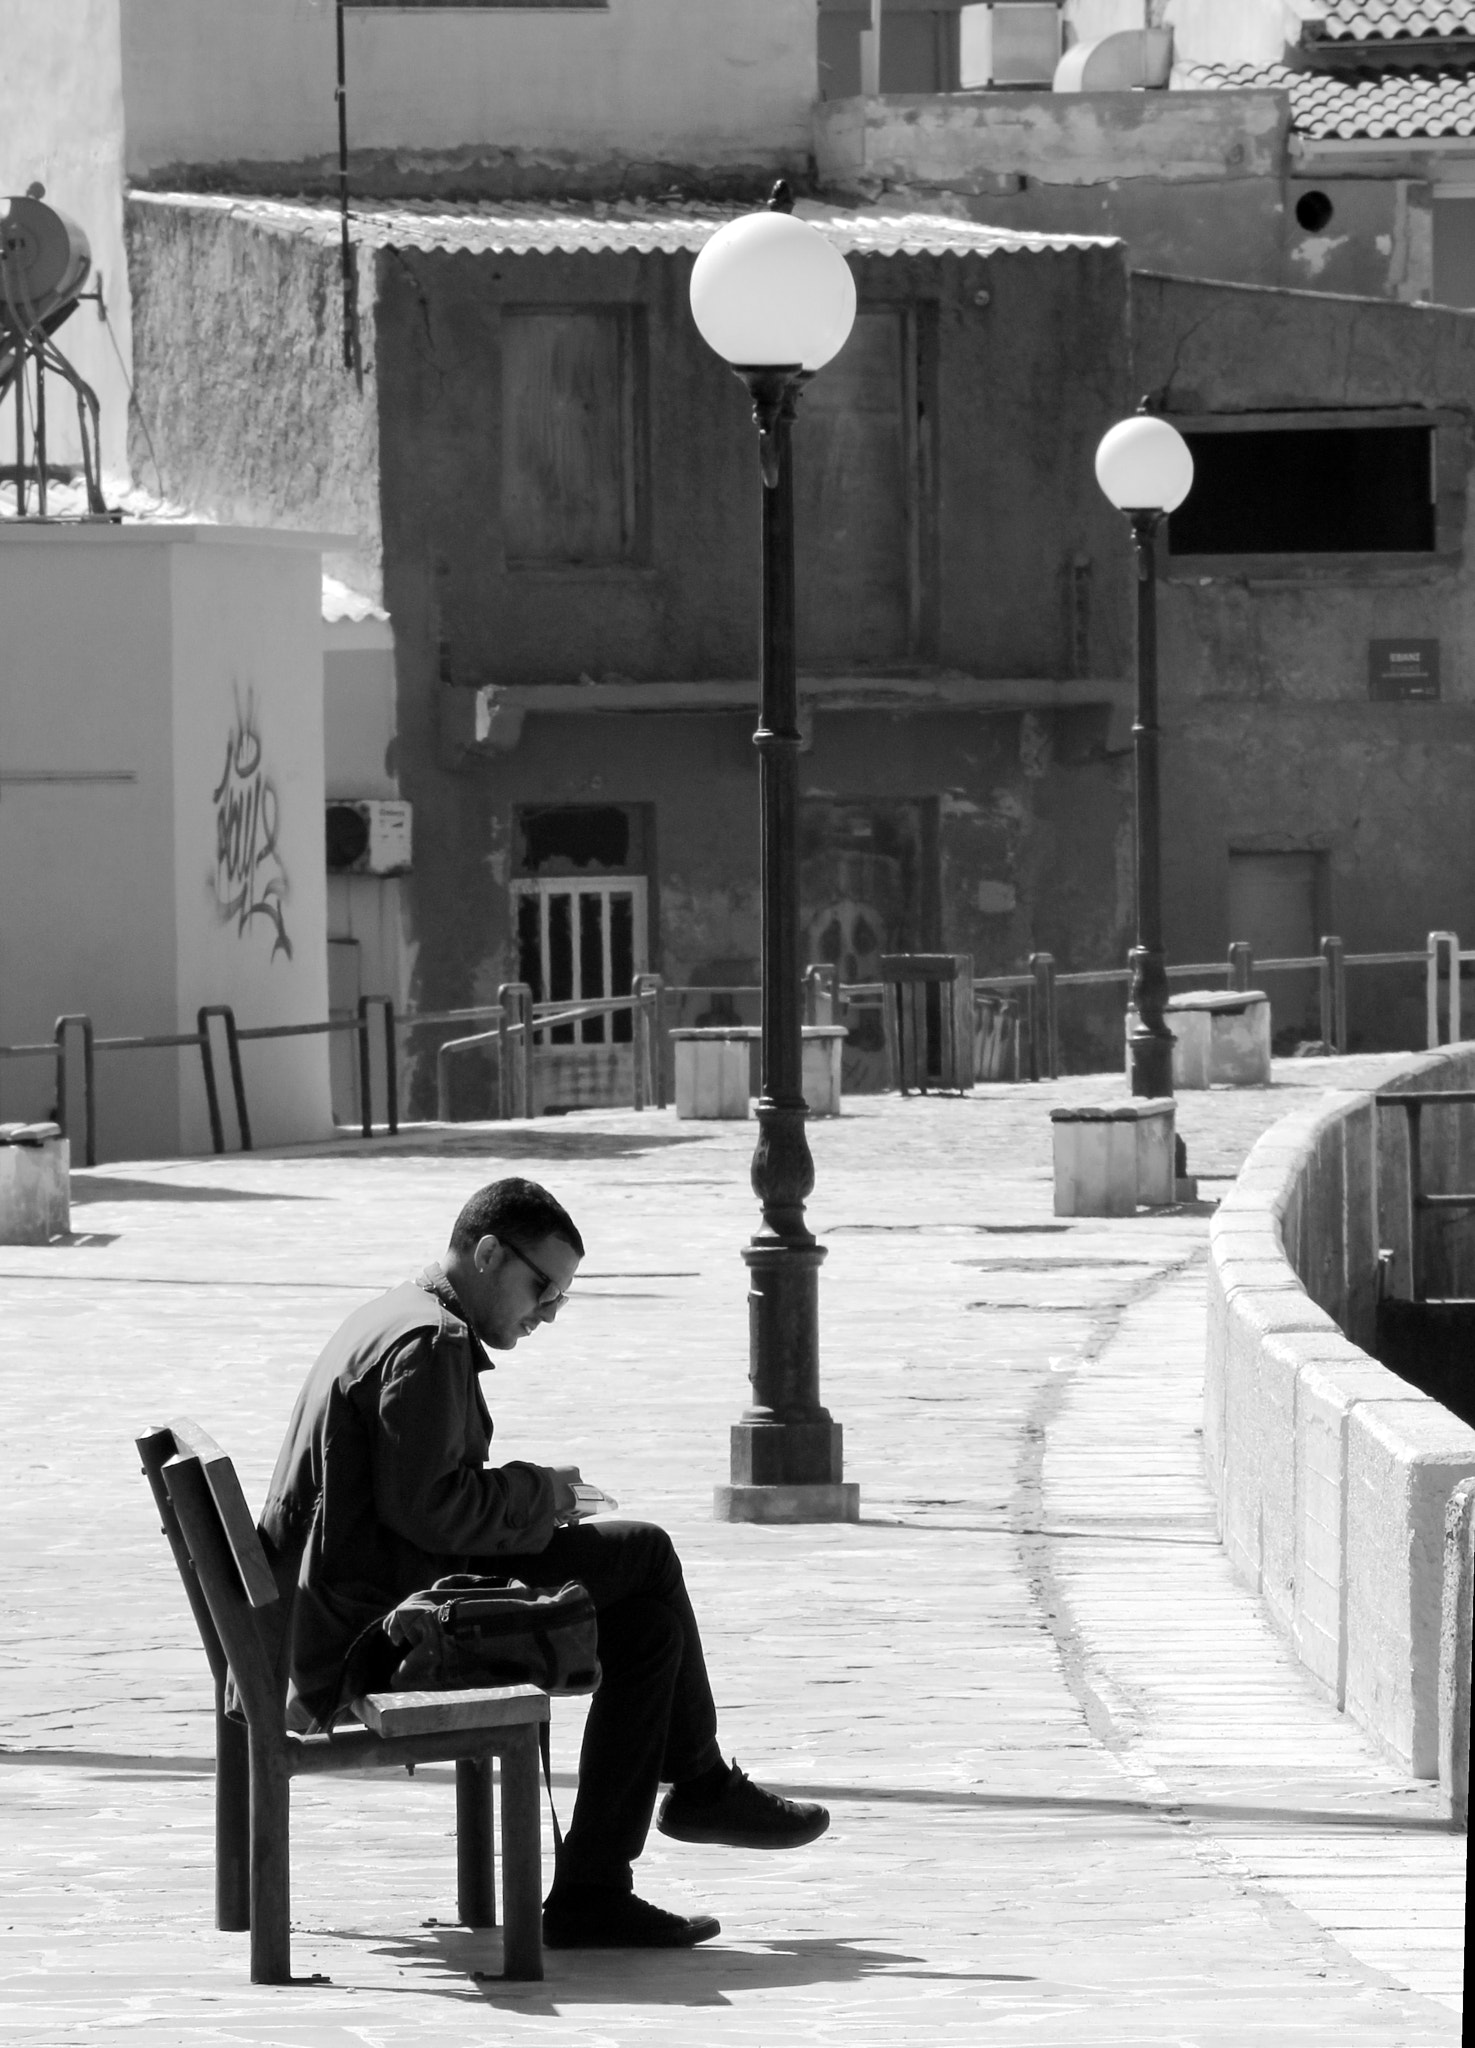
column 584, row 227
column 1393, row 20
column 1358, row 105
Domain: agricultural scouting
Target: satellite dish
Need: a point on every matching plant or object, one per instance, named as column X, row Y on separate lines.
column 44, row 263
column 45, row 260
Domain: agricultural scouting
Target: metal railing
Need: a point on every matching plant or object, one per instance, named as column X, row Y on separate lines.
column 514, row 1023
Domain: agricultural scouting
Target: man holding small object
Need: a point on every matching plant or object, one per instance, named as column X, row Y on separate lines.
column 383, row 1486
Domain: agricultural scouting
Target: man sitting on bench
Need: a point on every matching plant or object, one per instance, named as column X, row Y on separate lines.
column 383, row 1486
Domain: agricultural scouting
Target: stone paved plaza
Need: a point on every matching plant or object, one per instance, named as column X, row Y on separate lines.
column 1080, row 1793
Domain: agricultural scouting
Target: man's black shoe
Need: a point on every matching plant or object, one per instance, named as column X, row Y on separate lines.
column 743, row 1816
column 598, row 1916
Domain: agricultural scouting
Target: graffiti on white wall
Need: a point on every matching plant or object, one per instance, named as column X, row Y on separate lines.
column 250, row 880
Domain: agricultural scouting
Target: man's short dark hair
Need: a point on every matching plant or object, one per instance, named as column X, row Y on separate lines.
column 518, row 1210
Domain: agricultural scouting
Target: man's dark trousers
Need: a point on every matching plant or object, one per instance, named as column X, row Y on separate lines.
column 652, row 1719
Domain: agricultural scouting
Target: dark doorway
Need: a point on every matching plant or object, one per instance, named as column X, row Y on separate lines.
column 869, row 882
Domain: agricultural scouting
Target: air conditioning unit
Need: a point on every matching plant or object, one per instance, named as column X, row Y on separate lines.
column 369, row 836
column 1026, row 42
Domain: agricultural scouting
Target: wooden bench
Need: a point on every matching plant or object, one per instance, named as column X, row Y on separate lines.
column 242, row 1612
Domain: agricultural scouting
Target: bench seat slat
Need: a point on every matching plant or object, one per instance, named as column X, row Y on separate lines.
column 436, row 1713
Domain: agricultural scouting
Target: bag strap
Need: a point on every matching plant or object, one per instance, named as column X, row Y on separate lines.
column 544, row 1749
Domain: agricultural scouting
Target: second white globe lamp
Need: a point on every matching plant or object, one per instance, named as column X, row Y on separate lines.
column 1143, row 465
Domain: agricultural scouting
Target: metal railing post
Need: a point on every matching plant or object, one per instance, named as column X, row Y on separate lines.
column 1442, row 949
column 1044, row 1020
column 443, row 1083
column 639, row 1045
column 1241, row 963
column 648, row 991
column 366, row 1065
column 237, row 1078
column 366, row 1071
column 516, row 997
column 391, row 1066
column 1333, row 992
column 89, row 1081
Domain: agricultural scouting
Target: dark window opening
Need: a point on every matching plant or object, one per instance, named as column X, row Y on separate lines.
column 557, row 840
column 1312, row 490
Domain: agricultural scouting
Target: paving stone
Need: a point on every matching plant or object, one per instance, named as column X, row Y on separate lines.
column 1080, row 1791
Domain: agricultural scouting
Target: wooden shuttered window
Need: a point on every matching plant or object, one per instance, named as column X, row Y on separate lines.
column 572, row 487
column 855, row 497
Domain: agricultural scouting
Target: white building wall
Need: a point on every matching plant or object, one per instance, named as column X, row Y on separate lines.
column 701, row 81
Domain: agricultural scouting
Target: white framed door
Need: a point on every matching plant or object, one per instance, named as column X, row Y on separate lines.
column 580, row 939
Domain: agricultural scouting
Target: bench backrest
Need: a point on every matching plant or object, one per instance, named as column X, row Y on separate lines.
column 226, row 1573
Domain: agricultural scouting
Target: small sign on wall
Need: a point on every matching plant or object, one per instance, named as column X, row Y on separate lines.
column 1403, row 671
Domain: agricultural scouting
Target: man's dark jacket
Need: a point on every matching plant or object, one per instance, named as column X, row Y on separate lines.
column 382, row 1485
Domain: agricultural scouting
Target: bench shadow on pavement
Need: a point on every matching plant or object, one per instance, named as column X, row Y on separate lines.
column 701, row 1976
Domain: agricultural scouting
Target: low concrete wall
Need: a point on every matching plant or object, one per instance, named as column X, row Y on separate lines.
column 1333, row 1477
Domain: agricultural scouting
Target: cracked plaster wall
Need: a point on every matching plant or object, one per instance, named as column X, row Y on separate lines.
column 1271, row 742
column 251, row 416
column 1195, row 183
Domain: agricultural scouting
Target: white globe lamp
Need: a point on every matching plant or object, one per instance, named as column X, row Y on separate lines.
column 772, row 292
column 1143, row 465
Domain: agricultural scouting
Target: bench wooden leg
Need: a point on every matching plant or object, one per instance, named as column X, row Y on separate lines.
column 271, row 1821
column 476, row 1886
column 522, row 1858
column 232, row 1824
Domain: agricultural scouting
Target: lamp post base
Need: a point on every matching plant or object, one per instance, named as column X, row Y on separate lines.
column 834, row 1503
column 1150, row 1057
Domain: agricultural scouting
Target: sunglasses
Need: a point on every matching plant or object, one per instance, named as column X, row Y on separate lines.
column 552, row 1296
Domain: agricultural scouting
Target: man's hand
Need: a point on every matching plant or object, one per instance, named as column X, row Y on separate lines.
column 565, row 1504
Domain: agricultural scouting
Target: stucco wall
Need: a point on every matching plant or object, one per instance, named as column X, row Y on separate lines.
column 1272, row 742
column 1033, row 807
column 467, row 99
column 161, row 828
column 252, row 416
column 1003, row 441
column 61, row 123
column 1198, row 183
column 1331, row 1475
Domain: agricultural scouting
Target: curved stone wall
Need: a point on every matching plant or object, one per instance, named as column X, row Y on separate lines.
column 1333, row 1477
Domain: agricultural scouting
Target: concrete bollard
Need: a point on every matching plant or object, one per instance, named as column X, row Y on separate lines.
column 1220, row 1038
column 35, row 1189
column 823, row 1046
column 1111, row 1160
column 712, row 1072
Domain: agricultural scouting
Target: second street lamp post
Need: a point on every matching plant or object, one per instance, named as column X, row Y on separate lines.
column 776, row 299
column 1144, row 467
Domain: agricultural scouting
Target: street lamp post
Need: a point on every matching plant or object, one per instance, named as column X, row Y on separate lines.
column 776, row 300
column 1144, row 467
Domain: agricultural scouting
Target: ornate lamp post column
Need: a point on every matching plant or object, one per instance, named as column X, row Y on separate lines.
column 1144, row 467
column 776, row 300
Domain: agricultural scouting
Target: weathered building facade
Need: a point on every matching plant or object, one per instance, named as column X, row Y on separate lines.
column 555, row 491
column 561, row 484
column 1317, row 144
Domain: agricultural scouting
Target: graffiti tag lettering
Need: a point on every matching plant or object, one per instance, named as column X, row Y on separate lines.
column 250, row 880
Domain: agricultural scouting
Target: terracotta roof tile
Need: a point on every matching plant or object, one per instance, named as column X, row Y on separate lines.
column 1357, row 105
column 1391, row 20
column 585, row 227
